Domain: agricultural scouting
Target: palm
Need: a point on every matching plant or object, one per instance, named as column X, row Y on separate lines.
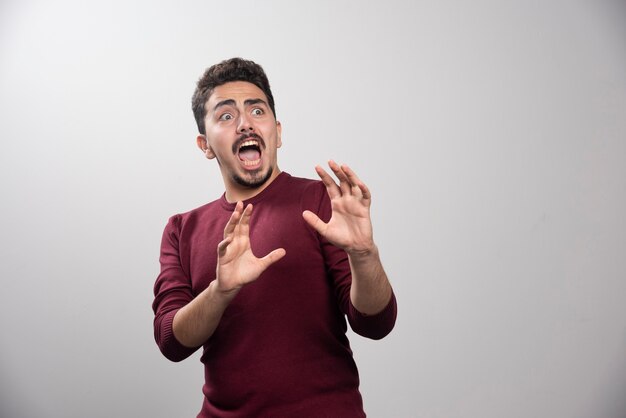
column 236, row 264
column 350, row 226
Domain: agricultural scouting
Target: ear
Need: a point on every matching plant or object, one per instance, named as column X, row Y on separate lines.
column 203, row 144
column 279, row 131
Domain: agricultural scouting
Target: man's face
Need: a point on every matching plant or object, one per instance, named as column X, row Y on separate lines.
column 242, row 134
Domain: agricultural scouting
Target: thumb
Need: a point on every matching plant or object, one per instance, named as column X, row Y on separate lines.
column 272, row 257
column 314, row 221
column 222, row 246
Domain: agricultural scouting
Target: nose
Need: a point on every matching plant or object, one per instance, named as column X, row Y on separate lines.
column 245, row 124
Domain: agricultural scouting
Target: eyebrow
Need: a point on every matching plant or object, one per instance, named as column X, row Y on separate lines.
column 231, row 102
column 250, row 102
column 227, row 102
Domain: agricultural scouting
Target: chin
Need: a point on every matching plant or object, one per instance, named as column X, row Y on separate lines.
column 253, row 179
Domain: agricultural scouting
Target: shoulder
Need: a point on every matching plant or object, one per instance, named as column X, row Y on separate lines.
column 179, row 220
column 303, row 185
column 202, row 210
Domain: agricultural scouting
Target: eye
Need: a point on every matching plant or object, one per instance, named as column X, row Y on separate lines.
column 257, row 111
column 226, row 116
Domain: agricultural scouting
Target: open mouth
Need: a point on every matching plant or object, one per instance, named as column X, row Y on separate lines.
column 249, row 153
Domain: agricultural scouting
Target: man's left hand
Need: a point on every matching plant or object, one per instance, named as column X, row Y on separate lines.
column 350, row 226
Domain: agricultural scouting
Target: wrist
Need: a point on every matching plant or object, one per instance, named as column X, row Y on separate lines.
column 224, row 295
column 363, row 254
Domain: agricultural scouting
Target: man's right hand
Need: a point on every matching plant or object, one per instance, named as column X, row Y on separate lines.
column 236, row 264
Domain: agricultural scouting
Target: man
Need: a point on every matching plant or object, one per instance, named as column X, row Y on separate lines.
column 273, row 327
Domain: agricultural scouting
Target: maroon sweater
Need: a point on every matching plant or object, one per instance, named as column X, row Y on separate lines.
column 280, row 348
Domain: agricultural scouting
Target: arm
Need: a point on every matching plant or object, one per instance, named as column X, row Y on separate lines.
column 371, row 291
column 172, row 291
column 350, row 228
column 236, row 266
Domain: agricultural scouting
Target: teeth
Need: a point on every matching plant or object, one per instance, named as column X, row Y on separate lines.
column 255, row 162
column 249, row 143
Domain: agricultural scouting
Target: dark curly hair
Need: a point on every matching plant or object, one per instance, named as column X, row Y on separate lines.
column 234, row 69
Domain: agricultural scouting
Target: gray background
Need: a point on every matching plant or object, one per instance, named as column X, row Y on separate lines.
column 492, row 134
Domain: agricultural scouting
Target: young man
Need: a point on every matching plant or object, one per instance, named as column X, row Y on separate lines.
column 273, row 327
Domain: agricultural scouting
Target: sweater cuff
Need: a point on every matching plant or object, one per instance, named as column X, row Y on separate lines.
column 169, row 345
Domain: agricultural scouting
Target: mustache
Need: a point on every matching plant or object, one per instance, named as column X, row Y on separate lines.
column 244, row 137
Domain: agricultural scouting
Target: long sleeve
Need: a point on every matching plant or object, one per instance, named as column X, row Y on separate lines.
column 172, row 291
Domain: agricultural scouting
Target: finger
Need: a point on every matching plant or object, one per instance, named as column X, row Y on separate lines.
column 234, row 220
column 222, row 246
column 272, row 257
column 344, row 182
column 354, row 179
column 331, row 187
column 244, row 224
column 315, row 222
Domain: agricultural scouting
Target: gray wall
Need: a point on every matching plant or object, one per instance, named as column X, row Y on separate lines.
column 492, row 134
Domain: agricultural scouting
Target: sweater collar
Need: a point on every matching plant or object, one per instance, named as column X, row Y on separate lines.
column 273, row 188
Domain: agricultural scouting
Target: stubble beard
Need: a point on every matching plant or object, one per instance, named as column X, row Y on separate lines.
column 256, row 179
